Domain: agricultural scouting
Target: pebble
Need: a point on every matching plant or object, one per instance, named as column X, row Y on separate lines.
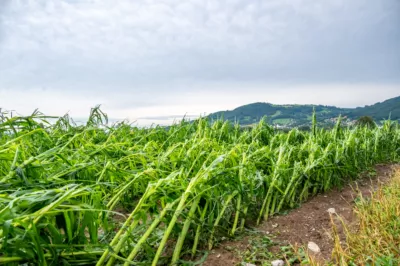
column 277, row 263
column 332, row 210
column 249, row 264
column 313, row 247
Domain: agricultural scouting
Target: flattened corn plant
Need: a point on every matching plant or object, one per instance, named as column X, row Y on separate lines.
column 121, row 195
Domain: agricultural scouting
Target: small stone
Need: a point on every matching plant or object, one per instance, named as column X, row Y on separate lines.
column 277, row 263
column 219, row 255
column 313, row 247
column 249, row 264
column 274, row 225
column 332, row 210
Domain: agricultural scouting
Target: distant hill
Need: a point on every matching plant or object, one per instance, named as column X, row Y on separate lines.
column 379, row 111
column 297, row 115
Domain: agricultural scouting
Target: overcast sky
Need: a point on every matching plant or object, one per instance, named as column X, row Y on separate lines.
column 166, row 58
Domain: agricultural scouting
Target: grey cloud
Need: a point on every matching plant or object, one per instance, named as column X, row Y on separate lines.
column 154, row 50
column 3, row 9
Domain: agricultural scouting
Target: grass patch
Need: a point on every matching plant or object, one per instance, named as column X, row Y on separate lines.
column 282, row 121
column 376, row 238
column 263, row 249
column 277, row 113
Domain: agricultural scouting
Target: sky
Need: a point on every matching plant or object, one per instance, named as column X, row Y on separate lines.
column 157, row 60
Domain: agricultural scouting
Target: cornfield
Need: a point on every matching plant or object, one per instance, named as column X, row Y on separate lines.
column 95, row 194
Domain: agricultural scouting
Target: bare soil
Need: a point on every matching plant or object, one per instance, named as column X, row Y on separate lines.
column 309, row 222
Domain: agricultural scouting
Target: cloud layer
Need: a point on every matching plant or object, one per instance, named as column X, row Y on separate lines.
column 144, row 53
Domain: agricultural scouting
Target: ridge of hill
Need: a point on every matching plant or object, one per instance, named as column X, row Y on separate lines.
column 297, row 114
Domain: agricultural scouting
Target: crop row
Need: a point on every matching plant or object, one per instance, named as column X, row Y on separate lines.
column 106, row 195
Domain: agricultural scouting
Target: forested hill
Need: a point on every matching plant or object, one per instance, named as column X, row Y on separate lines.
column 296, row 115
column 379, row 111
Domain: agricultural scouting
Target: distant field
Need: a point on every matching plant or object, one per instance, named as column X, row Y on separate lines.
column 282, row 121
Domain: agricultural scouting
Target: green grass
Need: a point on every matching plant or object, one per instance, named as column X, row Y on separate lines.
column 277, row 113
column 282, row 121
column 259, row 251
column 108, row 195
column 377, row 238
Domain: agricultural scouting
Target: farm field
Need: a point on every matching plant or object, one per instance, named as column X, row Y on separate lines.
column 121, row 195
column 286, row 235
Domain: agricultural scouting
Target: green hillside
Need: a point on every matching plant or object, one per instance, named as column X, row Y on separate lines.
column 379, row 111
column 297, row 115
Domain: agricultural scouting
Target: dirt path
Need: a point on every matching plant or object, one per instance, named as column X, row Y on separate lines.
column 310, row 222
